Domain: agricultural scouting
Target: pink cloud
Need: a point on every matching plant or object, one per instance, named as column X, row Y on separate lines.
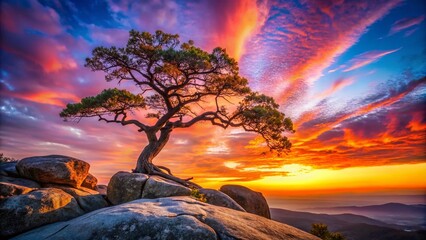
column 35, row 17
column 336, row 86
column 405, row 23
column 302, row 55
column 367, row 58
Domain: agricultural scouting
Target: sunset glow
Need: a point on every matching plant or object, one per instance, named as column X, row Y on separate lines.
column 350, row 74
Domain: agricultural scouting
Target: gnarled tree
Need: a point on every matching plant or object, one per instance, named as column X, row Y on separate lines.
column 179, row 85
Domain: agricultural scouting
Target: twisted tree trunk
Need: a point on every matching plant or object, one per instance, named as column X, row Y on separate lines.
column 145, row 165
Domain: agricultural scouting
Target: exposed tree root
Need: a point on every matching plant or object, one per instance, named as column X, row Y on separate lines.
column 184, row 182
column 164, row 168
column 152, row 169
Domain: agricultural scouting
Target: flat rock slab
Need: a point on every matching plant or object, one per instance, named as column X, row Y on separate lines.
column 20, row 181
column 251, row 201
column 24, row 212
column 167, row 218
column 125, row 187
column 54, row 169
column 157, row 187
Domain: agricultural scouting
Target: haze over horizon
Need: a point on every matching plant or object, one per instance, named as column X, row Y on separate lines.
column 351, row 75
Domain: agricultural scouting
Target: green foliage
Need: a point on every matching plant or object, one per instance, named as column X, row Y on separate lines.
column 260, row 114
column 195, row 193
column 4, row 159
column 107, row 102
column 321, row 230
column 336, row 236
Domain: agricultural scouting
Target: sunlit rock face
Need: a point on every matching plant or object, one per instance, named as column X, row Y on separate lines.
column 88, row 199
column 90, row 182
column 167, row 218
column 24, row 212
column 54, row 169
column 251, row 201
column 10, row 189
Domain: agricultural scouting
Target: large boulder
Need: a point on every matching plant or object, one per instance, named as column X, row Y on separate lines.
column 54, row 169
column 90, row 182
column 157, row 187
column 8, row 169
column 88, row 199
column 167, row 218
column 10, row 189
column 125, row 187
column 251, row 201
column 20, row 181
column 24, row 212
column 218, row 198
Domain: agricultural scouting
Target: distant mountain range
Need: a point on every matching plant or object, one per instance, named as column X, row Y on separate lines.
column 358, row 227
column 391, row 213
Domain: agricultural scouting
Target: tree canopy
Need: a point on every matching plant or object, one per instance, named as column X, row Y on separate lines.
column 178, row 85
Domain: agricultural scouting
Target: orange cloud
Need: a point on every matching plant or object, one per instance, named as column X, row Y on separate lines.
column 53, row 98
column 336, row 86
column 228, row 24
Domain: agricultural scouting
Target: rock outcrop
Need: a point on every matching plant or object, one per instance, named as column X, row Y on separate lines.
column 37, row 208
column 10, row 189
column 218, row 198
column 8, row 169
column 157, row 187
column 251, row 201
column 52, row 203
column 20, row 181
column 90, row 182
column 26, row 204
column 54, row 169
column 88, row 199
column 125, row 187
column 167, row 218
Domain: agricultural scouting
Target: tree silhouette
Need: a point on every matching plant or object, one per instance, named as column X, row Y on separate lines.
column 178, row 85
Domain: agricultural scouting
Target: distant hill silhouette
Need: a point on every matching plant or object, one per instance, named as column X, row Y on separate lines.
column 391, row 213
column 363, row 231
column 354, row 227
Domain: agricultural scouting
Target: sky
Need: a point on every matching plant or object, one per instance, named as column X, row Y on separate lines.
column 350, row 74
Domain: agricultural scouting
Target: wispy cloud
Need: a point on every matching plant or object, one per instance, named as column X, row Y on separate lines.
column 405, row 24
column 336, row 86
column 292, row 50
column 366, row 58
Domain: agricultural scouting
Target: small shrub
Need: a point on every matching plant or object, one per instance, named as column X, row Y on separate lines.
column 195, row 193
column 4, row 159
column 321, row 230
